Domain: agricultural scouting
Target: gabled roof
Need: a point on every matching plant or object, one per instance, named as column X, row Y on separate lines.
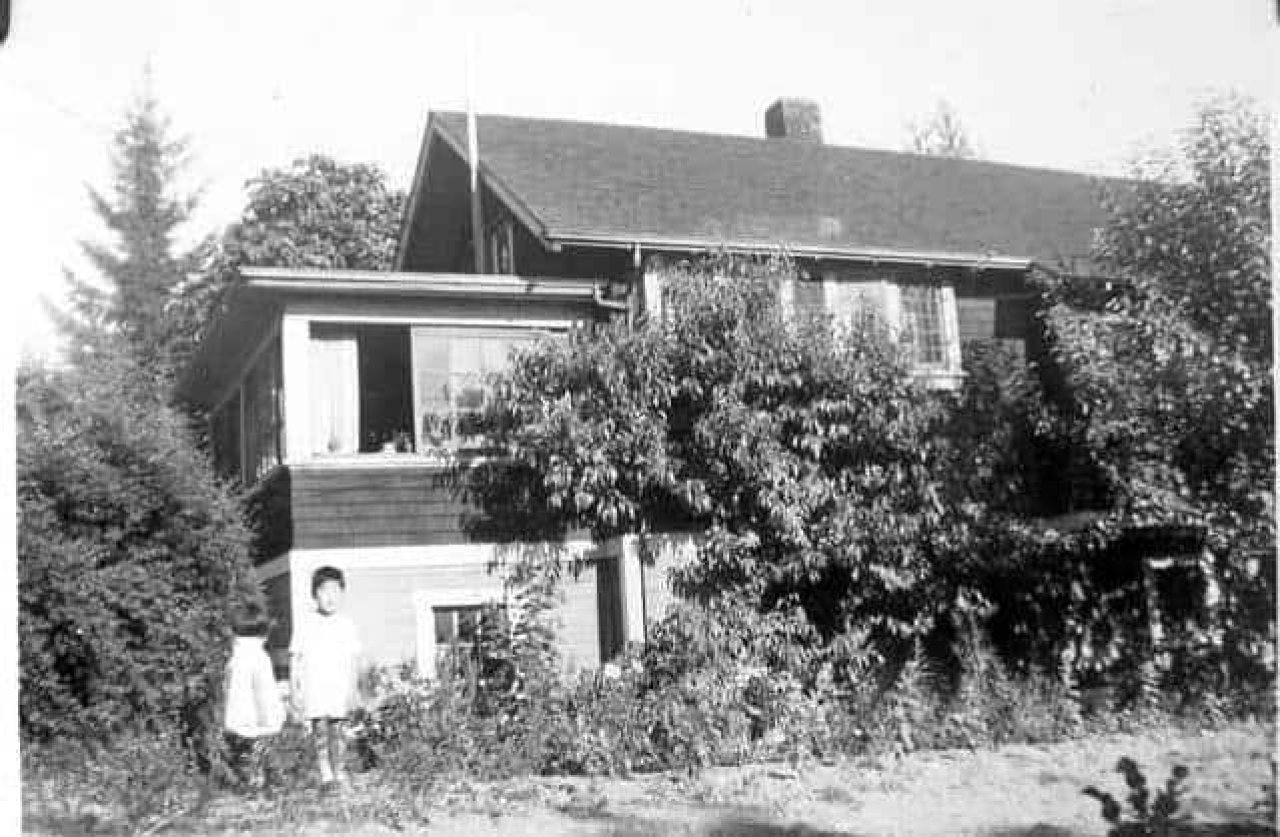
column 579, row 183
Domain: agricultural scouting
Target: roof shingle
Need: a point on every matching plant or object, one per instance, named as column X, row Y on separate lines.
column 590, row 179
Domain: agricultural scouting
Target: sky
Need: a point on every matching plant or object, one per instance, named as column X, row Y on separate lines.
column 1084, row 85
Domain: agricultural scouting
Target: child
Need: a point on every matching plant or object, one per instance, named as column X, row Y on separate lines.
column 323, row 673
column 253, row 711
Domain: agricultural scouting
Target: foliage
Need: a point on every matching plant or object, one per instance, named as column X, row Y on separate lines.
column 139, row 783
column 942, row 134
column 803, row 451
column 1166, row 395
column 1149, row 818
column 142, row 269
column 129, row 553
column 315, row 213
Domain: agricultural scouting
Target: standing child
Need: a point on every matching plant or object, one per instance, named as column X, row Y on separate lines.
column 324, row 672
column 253, row 711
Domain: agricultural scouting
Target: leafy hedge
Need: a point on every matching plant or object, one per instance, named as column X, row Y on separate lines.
column 129, row 553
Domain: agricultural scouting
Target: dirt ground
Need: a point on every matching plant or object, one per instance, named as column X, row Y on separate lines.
column 1016, row 791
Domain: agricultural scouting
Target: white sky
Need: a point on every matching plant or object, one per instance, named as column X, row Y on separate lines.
column 1078, row 85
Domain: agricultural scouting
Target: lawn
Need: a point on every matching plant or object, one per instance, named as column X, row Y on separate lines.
column 1015, row 791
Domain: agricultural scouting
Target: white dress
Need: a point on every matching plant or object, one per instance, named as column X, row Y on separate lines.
column 253, row 707
column 324, row 652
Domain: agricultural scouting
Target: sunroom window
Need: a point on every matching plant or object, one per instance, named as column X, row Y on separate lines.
column 246, row 429
column 402, row 388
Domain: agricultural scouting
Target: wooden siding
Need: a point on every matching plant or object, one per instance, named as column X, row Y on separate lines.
column 358, row 506
column 381, row 600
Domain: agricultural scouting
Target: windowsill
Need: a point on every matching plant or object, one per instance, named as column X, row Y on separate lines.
column 939, row 379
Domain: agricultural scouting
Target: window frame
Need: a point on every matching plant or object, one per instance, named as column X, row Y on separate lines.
column 946, row 374
column 425, row 603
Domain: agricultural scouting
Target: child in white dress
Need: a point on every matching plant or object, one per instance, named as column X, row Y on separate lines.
column 253, row 711
column 324, row 670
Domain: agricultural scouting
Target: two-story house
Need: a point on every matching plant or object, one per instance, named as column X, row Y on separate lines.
column 325, row 389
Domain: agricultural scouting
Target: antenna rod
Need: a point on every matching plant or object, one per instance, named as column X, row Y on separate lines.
column 473, row 161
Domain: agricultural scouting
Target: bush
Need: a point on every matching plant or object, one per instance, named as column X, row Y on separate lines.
column 129, row 553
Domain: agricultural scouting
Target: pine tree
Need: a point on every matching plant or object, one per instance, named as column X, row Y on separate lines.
column 141, row 268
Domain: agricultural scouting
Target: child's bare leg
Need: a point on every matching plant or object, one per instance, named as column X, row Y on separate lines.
column 338, row 751
column 320, row 736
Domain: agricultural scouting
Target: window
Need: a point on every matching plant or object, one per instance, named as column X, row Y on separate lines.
column 456, row 627
column 922, row 331
column 263, row 412
column 922, row 315
column 402, row 388
column 247, row 429
column 448, row 622
column 500, row 242
column 450, row 367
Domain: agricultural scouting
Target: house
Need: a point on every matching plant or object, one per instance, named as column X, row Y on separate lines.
column 325, row 388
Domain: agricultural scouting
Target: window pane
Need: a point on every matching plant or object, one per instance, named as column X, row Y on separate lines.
column 468, row 623
column 335, row 397
column 446, row 631
column 922, row 324
column 450, row 369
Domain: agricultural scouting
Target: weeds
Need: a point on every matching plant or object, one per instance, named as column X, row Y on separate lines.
column 1146, row 817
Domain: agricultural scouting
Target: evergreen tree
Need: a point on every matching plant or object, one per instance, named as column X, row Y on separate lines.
column 141, row 268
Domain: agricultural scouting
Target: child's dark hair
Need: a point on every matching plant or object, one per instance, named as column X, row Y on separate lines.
column 324, row 574
column 250, row 619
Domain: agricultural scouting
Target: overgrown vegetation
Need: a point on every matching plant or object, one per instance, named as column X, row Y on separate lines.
column 129, row 553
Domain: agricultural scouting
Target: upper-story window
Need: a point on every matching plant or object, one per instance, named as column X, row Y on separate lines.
column 921, row 315
column 923, row 330
column 402, row 388
column 500, row 246
column 246, row 429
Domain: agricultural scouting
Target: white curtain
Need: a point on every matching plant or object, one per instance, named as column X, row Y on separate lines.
column 335, row 390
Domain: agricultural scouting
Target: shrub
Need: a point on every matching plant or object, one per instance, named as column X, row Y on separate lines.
column 129, row 553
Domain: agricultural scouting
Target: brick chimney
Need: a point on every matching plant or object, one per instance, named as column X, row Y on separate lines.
column 796, row 119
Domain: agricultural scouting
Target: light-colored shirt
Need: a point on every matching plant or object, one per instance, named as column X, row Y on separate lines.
column 324, row 653
column 253, row 707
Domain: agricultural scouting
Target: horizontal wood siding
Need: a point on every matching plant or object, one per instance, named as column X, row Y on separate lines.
column 977, row 318
column 380, row 600
column 376, row 506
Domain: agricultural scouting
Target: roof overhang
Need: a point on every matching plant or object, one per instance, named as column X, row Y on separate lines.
column 376, row 283
column 584, row 238
column 260, row 292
